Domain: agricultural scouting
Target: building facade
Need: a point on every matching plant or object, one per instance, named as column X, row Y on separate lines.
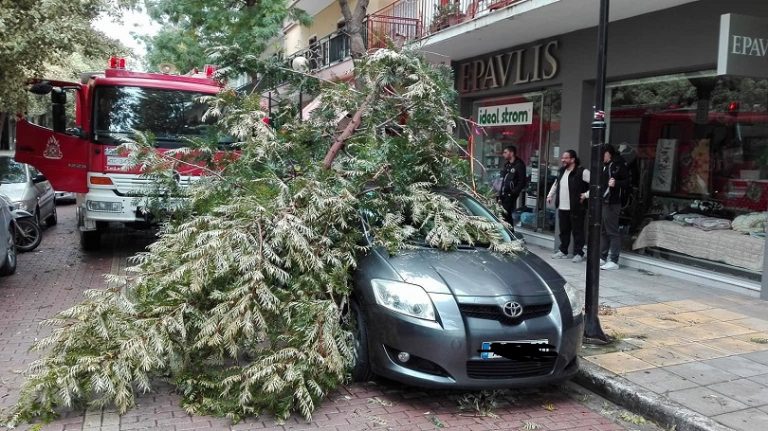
column 695, row 140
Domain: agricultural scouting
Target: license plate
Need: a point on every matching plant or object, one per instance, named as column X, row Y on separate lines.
column 485, row 352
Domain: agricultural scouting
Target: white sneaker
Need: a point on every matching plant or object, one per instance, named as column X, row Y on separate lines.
column 577, row 259
column 559, row 255
column 609, row 266
column 602, row 262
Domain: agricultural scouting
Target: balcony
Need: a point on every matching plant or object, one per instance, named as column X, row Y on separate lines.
column 379, row 32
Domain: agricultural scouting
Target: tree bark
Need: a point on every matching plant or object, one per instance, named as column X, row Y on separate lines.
column 355, row 25
column 3, row 117
column 338, row 142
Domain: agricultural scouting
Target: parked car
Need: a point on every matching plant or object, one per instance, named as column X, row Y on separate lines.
column 65, row 196
column 468, row 318
column 7, row 234
column 27, row 189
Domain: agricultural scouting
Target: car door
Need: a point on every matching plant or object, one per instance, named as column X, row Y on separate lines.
column 60, row 156
column 45, row 193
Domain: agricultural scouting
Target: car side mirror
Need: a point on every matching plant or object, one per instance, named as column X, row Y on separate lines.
column 41, row 88
column 39, row 178
column 75, row 131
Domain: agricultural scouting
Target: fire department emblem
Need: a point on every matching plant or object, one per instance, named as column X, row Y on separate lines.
column 52, row 149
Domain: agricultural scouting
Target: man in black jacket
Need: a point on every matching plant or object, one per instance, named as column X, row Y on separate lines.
column 614, row 183
column 512, row 182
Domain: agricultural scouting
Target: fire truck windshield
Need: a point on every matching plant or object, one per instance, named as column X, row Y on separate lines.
column 171, row 116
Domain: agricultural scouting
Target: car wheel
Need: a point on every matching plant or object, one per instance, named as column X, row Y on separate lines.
column 90, row 239
column 9, row 263
column 361, row 371
column 53, row 218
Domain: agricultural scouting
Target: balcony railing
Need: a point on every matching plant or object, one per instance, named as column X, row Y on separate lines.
column 435, row 15
column 398, row 23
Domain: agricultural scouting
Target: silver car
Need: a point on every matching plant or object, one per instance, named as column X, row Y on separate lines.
column 27, row 189
column 7, row 246
column 469, row 318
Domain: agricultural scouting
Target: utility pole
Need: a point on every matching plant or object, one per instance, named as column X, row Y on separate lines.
column 593, row 333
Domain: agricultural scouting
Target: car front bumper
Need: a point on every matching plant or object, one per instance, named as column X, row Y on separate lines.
column 446, row 354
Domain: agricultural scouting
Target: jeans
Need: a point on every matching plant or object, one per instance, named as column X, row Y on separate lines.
column 509, row 203
column 571, row 222
column 610, row 236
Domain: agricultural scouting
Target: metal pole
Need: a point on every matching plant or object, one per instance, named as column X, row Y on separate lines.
column 764, row 284
column 593, row 333
column 301, row 103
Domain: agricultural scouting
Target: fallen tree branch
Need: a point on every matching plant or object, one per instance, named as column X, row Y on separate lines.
column 338, row 143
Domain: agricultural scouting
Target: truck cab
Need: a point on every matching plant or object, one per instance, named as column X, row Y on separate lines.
column 110, row 109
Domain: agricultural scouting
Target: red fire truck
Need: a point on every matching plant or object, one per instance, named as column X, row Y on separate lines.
column 110, row 107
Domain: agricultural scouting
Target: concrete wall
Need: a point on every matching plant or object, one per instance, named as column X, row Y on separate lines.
column 680, row 39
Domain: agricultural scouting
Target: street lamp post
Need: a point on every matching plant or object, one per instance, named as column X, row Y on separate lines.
column 593, row 333
column 300, row 64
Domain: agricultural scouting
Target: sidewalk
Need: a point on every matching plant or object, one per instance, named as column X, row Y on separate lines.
column 688, row 355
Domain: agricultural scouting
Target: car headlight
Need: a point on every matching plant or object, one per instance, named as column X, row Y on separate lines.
column 404, row 298
column 576, row 297
column 21, row 205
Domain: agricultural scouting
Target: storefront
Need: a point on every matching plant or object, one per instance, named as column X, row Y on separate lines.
column 694, row 137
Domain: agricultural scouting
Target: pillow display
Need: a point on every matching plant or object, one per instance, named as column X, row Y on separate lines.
column 749, row 223
column 686, row 219
column 710, row 223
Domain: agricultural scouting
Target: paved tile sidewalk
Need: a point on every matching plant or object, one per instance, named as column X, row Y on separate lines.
column 702, row 347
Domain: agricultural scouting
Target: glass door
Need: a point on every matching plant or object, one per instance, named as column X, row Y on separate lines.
column 531, row 123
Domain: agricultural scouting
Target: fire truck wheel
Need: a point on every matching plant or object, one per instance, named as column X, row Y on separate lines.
column 90, row 239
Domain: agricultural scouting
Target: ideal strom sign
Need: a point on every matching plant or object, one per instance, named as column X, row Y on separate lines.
column 743, row 49
column 505, row 115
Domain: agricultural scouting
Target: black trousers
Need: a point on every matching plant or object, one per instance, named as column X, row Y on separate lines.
column 610, row 235
column 572, row 223
column 509, row 203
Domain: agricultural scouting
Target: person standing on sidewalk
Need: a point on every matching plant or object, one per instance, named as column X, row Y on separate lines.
column 512, row 182
column 568, row 193
column 614, row 184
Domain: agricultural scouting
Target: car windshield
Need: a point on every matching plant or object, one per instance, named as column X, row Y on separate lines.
column 171, row 115
column 12, row 172
column 469, row 205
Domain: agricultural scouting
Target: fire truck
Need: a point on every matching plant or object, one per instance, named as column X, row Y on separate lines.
column 82, row 156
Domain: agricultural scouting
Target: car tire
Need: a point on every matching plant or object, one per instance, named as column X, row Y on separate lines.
column 9, row 263
column 90, row 240
column 361, row 371
column 52, row 219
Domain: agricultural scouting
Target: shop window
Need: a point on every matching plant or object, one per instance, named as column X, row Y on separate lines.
column 531, row 123
column 697, row 147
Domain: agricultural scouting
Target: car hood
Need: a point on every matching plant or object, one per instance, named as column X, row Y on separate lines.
column 15, row 192
column 475, row 273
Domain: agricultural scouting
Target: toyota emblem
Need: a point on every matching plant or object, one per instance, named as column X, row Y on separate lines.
column 512, row 309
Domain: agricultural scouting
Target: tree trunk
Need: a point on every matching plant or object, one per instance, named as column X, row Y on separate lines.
column 3, row 119
column 355, row 25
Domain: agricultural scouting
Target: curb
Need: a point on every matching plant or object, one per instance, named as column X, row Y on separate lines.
column 651, row 405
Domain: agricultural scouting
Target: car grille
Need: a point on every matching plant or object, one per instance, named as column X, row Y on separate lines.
column 494, row 312
column 506, row 369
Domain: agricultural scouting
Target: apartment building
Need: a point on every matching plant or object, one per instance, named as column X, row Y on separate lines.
column 686, row 104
